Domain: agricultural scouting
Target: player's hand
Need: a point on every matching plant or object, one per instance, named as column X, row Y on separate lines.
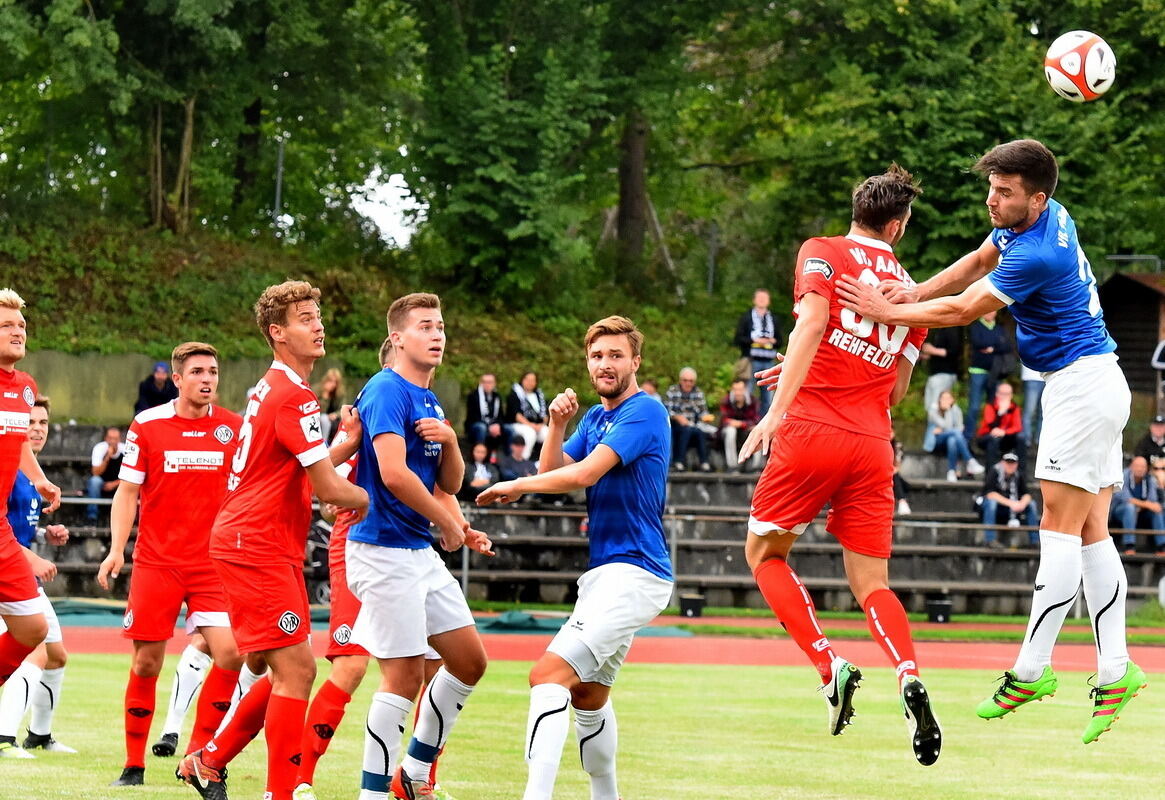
column 564, row 406
column 768, row 378
column 862, row 298
column 899, row 292
column 329, row 512
column 759, row 439
column 504, row 492
column 478, row 541
column 50, row 493
column 43, row 569
column 350, row 422
column 110, row 568
column 56, row 535
column 432, row 429
column 451, row 538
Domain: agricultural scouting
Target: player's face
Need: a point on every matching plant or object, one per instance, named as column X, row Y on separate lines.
column 38, row 428
column 1009, row 204
column 13, row 335
column 422, row 339
column 198, row 381
column 303, row 332
column 611, row 365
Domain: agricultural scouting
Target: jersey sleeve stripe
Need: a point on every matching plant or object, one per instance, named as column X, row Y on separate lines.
column 131, row 475
column 910, row 353
column 309, row 457
column 995, row 290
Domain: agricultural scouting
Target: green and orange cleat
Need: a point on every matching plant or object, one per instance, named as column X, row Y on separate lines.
column 1109, row 700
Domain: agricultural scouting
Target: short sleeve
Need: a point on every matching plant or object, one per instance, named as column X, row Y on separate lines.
column 384, row 408
column 635, row 433
column 1021, row 272
column 136, row 456
column 298, row 427
column 913, row 346
column 576, row 445
column 817, row 268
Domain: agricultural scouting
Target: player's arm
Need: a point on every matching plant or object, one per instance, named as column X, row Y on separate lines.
column 41, row 567
column 451, row 467
column 562, row 409
column 578, row 475
column 945, row 312
column 958, row 276
column 329, row 487
column 474, row 539
column 49, row 491
column 347, row 441
column 407, row 487
column 902, row 381
column 121, row 517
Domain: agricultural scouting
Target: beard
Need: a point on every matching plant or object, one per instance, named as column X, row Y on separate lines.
column 620, row 386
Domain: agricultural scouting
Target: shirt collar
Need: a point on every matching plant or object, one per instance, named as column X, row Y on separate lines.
column 868, row 242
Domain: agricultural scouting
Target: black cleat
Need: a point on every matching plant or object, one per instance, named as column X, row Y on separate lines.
column 46, row 742
column 131, row 776
column 925, row 736
column 166, row 746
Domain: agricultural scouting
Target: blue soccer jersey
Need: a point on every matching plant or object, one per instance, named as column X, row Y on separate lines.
column 390, row 404
column 625, row 506
column 24, row 510
column 1044, row 276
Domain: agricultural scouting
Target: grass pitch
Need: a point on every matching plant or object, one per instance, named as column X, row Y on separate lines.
column 685, row 732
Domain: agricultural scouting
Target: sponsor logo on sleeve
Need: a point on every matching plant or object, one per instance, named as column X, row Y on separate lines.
column 310, row 407
column 224, row 434
column 131, row 454
column 819, row 265
column 313, row 429
column 289, row 622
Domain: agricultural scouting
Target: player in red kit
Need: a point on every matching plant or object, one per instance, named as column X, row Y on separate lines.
column 840, row 376
column 21, row 604
column 176, row 463
column 258, row 541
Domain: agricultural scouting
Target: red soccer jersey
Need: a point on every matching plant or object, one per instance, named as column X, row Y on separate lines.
column 267, row 511
column 17, row 395
column 856, row 366
column 182, row 467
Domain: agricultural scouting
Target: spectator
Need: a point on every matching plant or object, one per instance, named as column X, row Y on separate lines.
column 1033, row 412
column 331, row 395
column 512, row 464
column 901, row 487
column 758, row 338
column 156, row 389
column 483, row 414
column 1138, row 506
column 651, row 389
column 943, row 349
column 739, row 414
column 1006, row 500
column 479, row 474
column 1152, row 444
column 526, row 413
column 1002, row 427
column 944, row 434
column 988, row 342
column 106, row 464
column 688, row 409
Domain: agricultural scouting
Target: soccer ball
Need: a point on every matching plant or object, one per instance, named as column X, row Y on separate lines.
column 1080, row 66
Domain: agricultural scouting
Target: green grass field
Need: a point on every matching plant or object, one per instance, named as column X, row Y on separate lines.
column 686, row 732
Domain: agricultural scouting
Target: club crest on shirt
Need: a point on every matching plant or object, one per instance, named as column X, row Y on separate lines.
column 29, row 397
column 313, row 429
column 224, row 434
column 817, row 265
column 289, row 622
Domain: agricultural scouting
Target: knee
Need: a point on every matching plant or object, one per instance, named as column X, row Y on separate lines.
column 468, row 669
column 56, row 658
column 31, row 633
column 147, row 664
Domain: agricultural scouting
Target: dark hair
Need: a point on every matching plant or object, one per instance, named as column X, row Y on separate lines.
column 1030, row 160
column 881, row 198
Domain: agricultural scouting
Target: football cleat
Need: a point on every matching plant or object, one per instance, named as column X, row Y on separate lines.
column 303, row 792
column 1109, row 700
column 13, row 750
column 405, row 788
column 131, row 776
column 210, row 782
column 46, row 742
column 839, row 694
column 166, row 745
column 925, row 736
column 1013, row 693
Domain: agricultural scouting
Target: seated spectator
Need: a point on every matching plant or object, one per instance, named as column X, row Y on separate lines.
column 739, row 414
column 651, row 389
column 526, row 413
column 944, row 434
column 156, row 389
column 331, row 395
column 901, row 487
column 688, row 409
column 1002, row 427
column 1137, row 506
column 483, row 414
column 106, row 464
column 513, row 463
column 479, row 474
column 1152, row 444
column 1006, row 500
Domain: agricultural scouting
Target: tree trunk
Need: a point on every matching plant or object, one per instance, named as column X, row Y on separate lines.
column 631, row 222
column 157, row 193
column 247, row 153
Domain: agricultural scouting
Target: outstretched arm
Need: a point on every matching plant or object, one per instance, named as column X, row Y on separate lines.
column 569, row 478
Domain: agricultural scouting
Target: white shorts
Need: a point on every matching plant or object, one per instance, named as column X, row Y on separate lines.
column 1085, row 408
column 406, row 596
column 38, row 605
column 614, row 602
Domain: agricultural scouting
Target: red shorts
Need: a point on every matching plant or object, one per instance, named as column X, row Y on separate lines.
column 18, row 589
column 342, row 615
column 156, row 595
column 267, row 603
column 812, row 464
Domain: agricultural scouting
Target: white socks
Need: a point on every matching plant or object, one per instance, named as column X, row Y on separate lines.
column 1057, row 584
column 1105, row 587
column 440, row 704
column 187, row 678
column 598, row 739
column 17, row 694
column 45, row 696
column 385, row 727
column 546, row 729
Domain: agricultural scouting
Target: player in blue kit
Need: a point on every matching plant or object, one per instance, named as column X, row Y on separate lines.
column 1033, row 263
column 409, row 599
column 620, row 454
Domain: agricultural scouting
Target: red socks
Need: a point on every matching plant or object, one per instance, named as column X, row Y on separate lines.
column 243, row 727
column 284, row 730
column 139, row 713
column 12, row 653
column 214, row 700
column 323, row 718
column 790, row 601
column 891, row 630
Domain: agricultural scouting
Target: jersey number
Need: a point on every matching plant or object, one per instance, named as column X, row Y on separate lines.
column 1085, row 271
column 245, row 430
column 890, row 341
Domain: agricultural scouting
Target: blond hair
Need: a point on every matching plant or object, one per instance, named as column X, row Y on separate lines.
column 10, row 299
column 188, row 349
column 271, row 307
column 398, row 312
column 615, row 326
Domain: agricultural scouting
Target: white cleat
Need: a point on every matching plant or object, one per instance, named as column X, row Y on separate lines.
column 13, row 750
column 839, row 694
column 303, row 792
